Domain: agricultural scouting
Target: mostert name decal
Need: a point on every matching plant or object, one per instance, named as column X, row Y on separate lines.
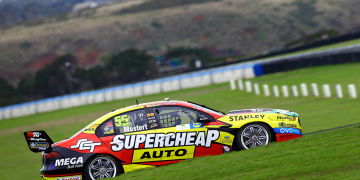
column 135, row 128
column 244, row 117
column 164, row 140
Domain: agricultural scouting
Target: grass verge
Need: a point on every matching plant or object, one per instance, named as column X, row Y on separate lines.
column 18, row 162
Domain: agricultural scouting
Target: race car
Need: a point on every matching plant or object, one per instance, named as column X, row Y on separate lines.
column 156, row 134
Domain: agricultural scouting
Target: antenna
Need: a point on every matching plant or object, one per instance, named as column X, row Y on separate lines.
column 137, row 102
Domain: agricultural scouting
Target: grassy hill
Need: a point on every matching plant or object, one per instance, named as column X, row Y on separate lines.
column 305, row 157
column 247, row 27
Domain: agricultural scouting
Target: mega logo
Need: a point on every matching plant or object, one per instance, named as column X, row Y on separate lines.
column 78, row 161
column 164, row 140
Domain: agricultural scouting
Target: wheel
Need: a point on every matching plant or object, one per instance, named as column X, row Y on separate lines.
column 252, row 135
column 101, row 167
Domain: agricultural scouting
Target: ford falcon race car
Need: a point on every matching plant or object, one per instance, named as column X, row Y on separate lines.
column 156, row 134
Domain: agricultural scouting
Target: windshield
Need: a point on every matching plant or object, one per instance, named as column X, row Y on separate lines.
column 205, row 108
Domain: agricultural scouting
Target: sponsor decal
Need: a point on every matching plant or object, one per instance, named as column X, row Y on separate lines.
column 122, row 120
column 163, row 154
column 196, row 125
column 244, row 117
column 189, row 126
column 33, row 135
column 150, row 114
column 37, row 139
column 36, row 134
column 288, row 118
column 226, row 148
column 84, row 144
column 282, row 124
column 69, row 178
column 287, row 131
column 91, row 129
column 160, row 140
column 136, row 128
column 39, row 145
column 75, row 162
column 182, row 126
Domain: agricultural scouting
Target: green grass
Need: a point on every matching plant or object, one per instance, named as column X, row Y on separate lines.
column 328, row 155
column 321, row 48
column 18, row 162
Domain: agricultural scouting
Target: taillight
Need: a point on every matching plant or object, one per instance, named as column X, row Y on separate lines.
column 50, row 155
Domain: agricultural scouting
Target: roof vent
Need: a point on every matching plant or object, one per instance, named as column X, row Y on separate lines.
column 167, row 99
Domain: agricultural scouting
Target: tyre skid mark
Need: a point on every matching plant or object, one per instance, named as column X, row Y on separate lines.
column 331, row 129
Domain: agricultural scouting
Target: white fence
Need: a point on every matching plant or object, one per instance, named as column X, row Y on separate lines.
column 173, row 83
column 324, row 90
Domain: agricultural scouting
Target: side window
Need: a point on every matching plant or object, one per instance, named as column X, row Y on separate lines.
column 106, row 129
column 131, row 122
column 170, row 116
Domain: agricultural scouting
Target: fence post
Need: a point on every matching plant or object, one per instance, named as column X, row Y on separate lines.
column 285, row 90
column 315, row 89
column 266, row 90
column 248, row 86
column 276, row 91
column 327, row 91
column 241, row 84
column 338, row 91
column 352, row 91
column 295, row 91
column 304, row 90
column 256, row 89
column 232, row 84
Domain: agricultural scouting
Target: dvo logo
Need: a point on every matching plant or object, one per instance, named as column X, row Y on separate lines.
column 286, row 130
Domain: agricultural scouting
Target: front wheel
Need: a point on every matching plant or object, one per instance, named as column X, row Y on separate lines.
column 101, row 167
column 252, row 135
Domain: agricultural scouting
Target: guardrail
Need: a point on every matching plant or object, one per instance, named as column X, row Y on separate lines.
column 173, row 83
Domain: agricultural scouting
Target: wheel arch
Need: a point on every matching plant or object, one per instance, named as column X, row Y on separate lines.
column 99, row 154
column 235, row 144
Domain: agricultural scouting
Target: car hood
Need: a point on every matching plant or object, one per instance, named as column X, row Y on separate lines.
column 264, row 111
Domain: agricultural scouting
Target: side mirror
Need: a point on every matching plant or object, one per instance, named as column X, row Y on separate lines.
column 202, row 118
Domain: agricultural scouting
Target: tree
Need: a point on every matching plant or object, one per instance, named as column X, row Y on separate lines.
column 129, row 66
column 8, row 94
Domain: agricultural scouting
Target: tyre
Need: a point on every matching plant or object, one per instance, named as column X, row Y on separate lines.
column 253, row 135
column 101, row 167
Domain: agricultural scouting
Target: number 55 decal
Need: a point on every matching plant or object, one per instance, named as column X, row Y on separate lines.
column 122, row 120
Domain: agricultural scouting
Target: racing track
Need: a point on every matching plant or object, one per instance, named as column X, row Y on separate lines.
column 325, row 130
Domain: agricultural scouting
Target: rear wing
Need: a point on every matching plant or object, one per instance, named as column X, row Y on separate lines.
column 38, row 141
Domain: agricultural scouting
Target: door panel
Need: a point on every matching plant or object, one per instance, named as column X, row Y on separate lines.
column 184, row 138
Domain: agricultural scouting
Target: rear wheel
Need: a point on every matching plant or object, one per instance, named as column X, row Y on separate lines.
column 252, row 135
column 101, row 167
